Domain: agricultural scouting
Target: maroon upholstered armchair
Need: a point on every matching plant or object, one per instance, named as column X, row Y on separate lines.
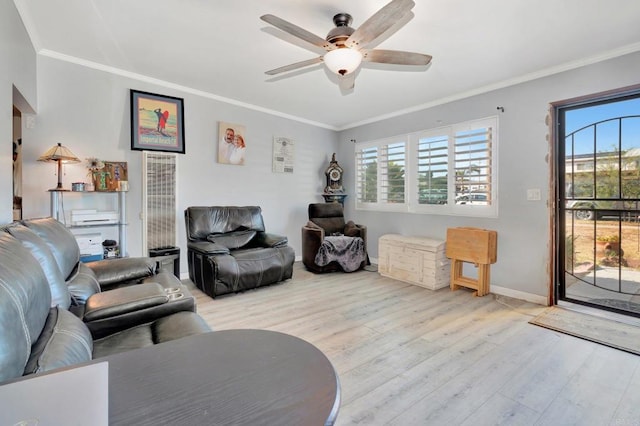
column 329, row 243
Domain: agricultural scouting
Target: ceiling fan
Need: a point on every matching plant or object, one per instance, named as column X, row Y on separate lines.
column 346, row 48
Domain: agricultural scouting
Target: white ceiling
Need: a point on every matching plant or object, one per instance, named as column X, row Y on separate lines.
column 221, row 49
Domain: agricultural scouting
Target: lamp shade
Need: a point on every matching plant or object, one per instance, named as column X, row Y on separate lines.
column 59, row 154
column 342, row 61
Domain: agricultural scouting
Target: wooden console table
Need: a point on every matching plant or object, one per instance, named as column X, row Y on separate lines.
column 474, row 245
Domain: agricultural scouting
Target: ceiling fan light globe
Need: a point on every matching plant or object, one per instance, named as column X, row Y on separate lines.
column 342, row 61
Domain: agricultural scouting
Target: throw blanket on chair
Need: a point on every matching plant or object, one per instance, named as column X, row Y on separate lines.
column 347, row 251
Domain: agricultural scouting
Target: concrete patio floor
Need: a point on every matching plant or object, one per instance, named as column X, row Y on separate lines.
column 608, row 286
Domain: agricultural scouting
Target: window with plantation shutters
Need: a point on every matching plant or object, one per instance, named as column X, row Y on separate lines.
column 448, row 170
column 472, row 158
column 392, row 172
column 367, row 175
column 381, row 173
column 432, row 170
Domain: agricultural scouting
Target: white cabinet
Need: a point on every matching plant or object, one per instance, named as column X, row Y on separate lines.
column 111, row 203
column 416, row 260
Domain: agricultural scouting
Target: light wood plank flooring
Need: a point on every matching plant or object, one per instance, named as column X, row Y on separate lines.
column 411, row 356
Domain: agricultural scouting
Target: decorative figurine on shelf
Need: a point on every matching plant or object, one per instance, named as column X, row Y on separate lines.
column 334, row 192
column 100, row 181
column 334, row 177
column 95, row 167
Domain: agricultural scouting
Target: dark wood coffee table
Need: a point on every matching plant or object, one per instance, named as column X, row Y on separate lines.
column 231, row 377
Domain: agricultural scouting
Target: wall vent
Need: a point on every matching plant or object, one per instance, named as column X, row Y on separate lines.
column 159, row 176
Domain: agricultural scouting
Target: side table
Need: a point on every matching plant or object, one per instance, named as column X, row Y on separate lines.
column 474, row 245
column 229, row 377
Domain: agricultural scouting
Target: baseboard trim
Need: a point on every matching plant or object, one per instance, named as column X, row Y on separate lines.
column 502, row 291
column 516, row 294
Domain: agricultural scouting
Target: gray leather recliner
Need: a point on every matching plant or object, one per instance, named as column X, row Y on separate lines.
column 78, row 287
column 36, row 337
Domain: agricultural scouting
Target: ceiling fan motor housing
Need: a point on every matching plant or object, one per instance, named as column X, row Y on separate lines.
column 342, row 31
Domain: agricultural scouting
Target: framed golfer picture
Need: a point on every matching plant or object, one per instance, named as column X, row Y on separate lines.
column 157, row 122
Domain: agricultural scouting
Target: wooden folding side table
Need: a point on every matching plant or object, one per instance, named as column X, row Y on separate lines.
column 473, row 245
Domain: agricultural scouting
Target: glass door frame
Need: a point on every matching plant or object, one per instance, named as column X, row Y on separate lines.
column 559, row 218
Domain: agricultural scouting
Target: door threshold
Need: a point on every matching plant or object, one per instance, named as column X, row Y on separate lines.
column 602, row 313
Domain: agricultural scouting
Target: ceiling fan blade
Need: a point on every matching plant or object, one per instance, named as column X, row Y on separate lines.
column 397, row 57
column 379, row 22
column 296, row 31
column 347, row 82
column 295, row 66
column 391, row 31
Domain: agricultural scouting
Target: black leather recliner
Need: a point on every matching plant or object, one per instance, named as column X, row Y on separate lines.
column 229, row 251
column 36, row 337
column 327, row 219
column 78, row 287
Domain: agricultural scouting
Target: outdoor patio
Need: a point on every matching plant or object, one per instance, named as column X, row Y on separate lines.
column 607, row 286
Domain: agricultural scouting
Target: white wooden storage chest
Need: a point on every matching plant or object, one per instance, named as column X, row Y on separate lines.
column 416, row 260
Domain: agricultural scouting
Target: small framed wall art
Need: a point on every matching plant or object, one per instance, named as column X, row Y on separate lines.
column 231, row 143
column 284, row 150
column 157, row 122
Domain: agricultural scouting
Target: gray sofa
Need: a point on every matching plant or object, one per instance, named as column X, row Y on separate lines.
column 229, row 251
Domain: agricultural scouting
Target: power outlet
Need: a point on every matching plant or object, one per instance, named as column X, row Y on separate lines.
column 533, row 194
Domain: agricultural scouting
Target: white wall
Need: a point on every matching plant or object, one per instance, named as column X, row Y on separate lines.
column 17, row 69
column 88, row 111
column 523, row 226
